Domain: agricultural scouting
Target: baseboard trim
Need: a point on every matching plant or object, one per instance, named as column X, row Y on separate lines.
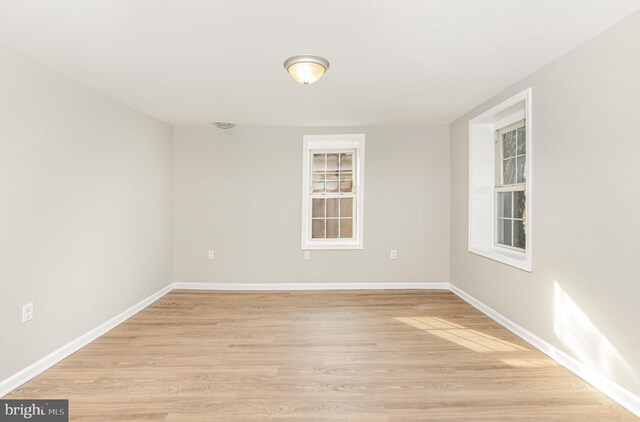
column 617, row 393
column 614, row 391
column 16, row 380
column 309, row 286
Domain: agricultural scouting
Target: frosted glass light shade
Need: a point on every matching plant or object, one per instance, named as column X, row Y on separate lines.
column 306, row 69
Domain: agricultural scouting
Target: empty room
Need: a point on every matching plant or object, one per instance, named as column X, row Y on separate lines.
column 348, row 210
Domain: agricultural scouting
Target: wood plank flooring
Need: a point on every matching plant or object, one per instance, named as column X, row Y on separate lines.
column 369, row 356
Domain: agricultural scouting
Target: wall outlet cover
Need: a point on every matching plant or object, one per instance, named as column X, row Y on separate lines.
column 27, row 312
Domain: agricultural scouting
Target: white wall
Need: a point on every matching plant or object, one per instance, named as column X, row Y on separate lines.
column 582, row 295
column 239, row 192
column 85, row 208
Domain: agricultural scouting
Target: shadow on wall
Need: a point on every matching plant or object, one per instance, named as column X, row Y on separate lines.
column 581, row 337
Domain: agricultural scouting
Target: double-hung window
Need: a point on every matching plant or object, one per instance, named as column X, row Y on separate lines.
column 500, row 182
column 333, row 191
column 510, row 190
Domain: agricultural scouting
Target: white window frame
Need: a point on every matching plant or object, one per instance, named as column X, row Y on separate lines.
column 501, row 187
column 483, row 181
column 333, row 143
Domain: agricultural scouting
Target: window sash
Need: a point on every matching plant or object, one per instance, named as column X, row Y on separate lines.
column 497, row 218
column 500, row 187
column 499, row 154
column 350, row 174
column 338, row 217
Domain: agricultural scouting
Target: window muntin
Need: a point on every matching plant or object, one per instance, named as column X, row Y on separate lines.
column 510, row 191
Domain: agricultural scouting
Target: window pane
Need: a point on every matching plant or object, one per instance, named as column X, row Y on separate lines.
column 521, row 162
column 332, row 162
column 317, row 231
column 519, row 204
column 346, row 161
column 318, row 177
column 346, row 228
column 346, row 207
column 332, row 229
column 518, row 234
column 504, row 204
column 509, row 171
column 318, row 162
column 346, row 182
column 504, row 232
column 332, row 181
column 317, row 187
column 522, row 140
column 509, row 144
column 318, row 208
column 332, row 207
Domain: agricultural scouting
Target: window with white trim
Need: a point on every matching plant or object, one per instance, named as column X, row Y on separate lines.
column 510, row 193
column 333, row 191
column 500, row 182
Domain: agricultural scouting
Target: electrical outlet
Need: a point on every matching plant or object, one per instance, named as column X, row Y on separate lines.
column 393, row 254
column 307, row 255
column 211, row 254
column 27, row 312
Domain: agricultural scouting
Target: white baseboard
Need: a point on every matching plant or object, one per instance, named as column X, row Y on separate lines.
column 309, row 286
column 617, row 393
column 9, row 384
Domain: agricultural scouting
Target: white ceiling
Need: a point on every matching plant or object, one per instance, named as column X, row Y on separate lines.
column 191, row 62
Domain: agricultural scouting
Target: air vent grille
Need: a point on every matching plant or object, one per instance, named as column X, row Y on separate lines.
column 224, row 125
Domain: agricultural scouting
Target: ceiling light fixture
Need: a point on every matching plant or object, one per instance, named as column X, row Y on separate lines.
column 306, row 69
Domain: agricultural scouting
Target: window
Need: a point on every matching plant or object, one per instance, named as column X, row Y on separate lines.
column 500, row 182
column 511, row 157
column 333, row 191
column 332, row 195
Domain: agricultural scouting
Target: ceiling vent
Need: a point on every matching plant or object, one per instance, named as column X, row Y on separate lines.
column 224, row 125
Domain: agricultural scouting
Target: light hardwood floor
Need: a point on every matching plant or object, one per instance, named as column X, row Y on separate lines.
column 316, row 356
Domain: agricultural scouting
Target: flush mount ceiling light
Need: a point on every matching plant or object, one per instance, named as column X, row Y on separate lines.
column 306, row 69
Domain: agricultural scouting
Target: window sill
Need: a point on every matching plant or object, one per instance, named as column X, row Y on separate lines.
column 331, row 245
column 506, row 256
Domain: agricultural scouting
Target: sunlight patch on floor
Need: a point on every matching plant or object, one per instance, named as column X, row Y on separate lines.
column 530, row 363
column 460, row 335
